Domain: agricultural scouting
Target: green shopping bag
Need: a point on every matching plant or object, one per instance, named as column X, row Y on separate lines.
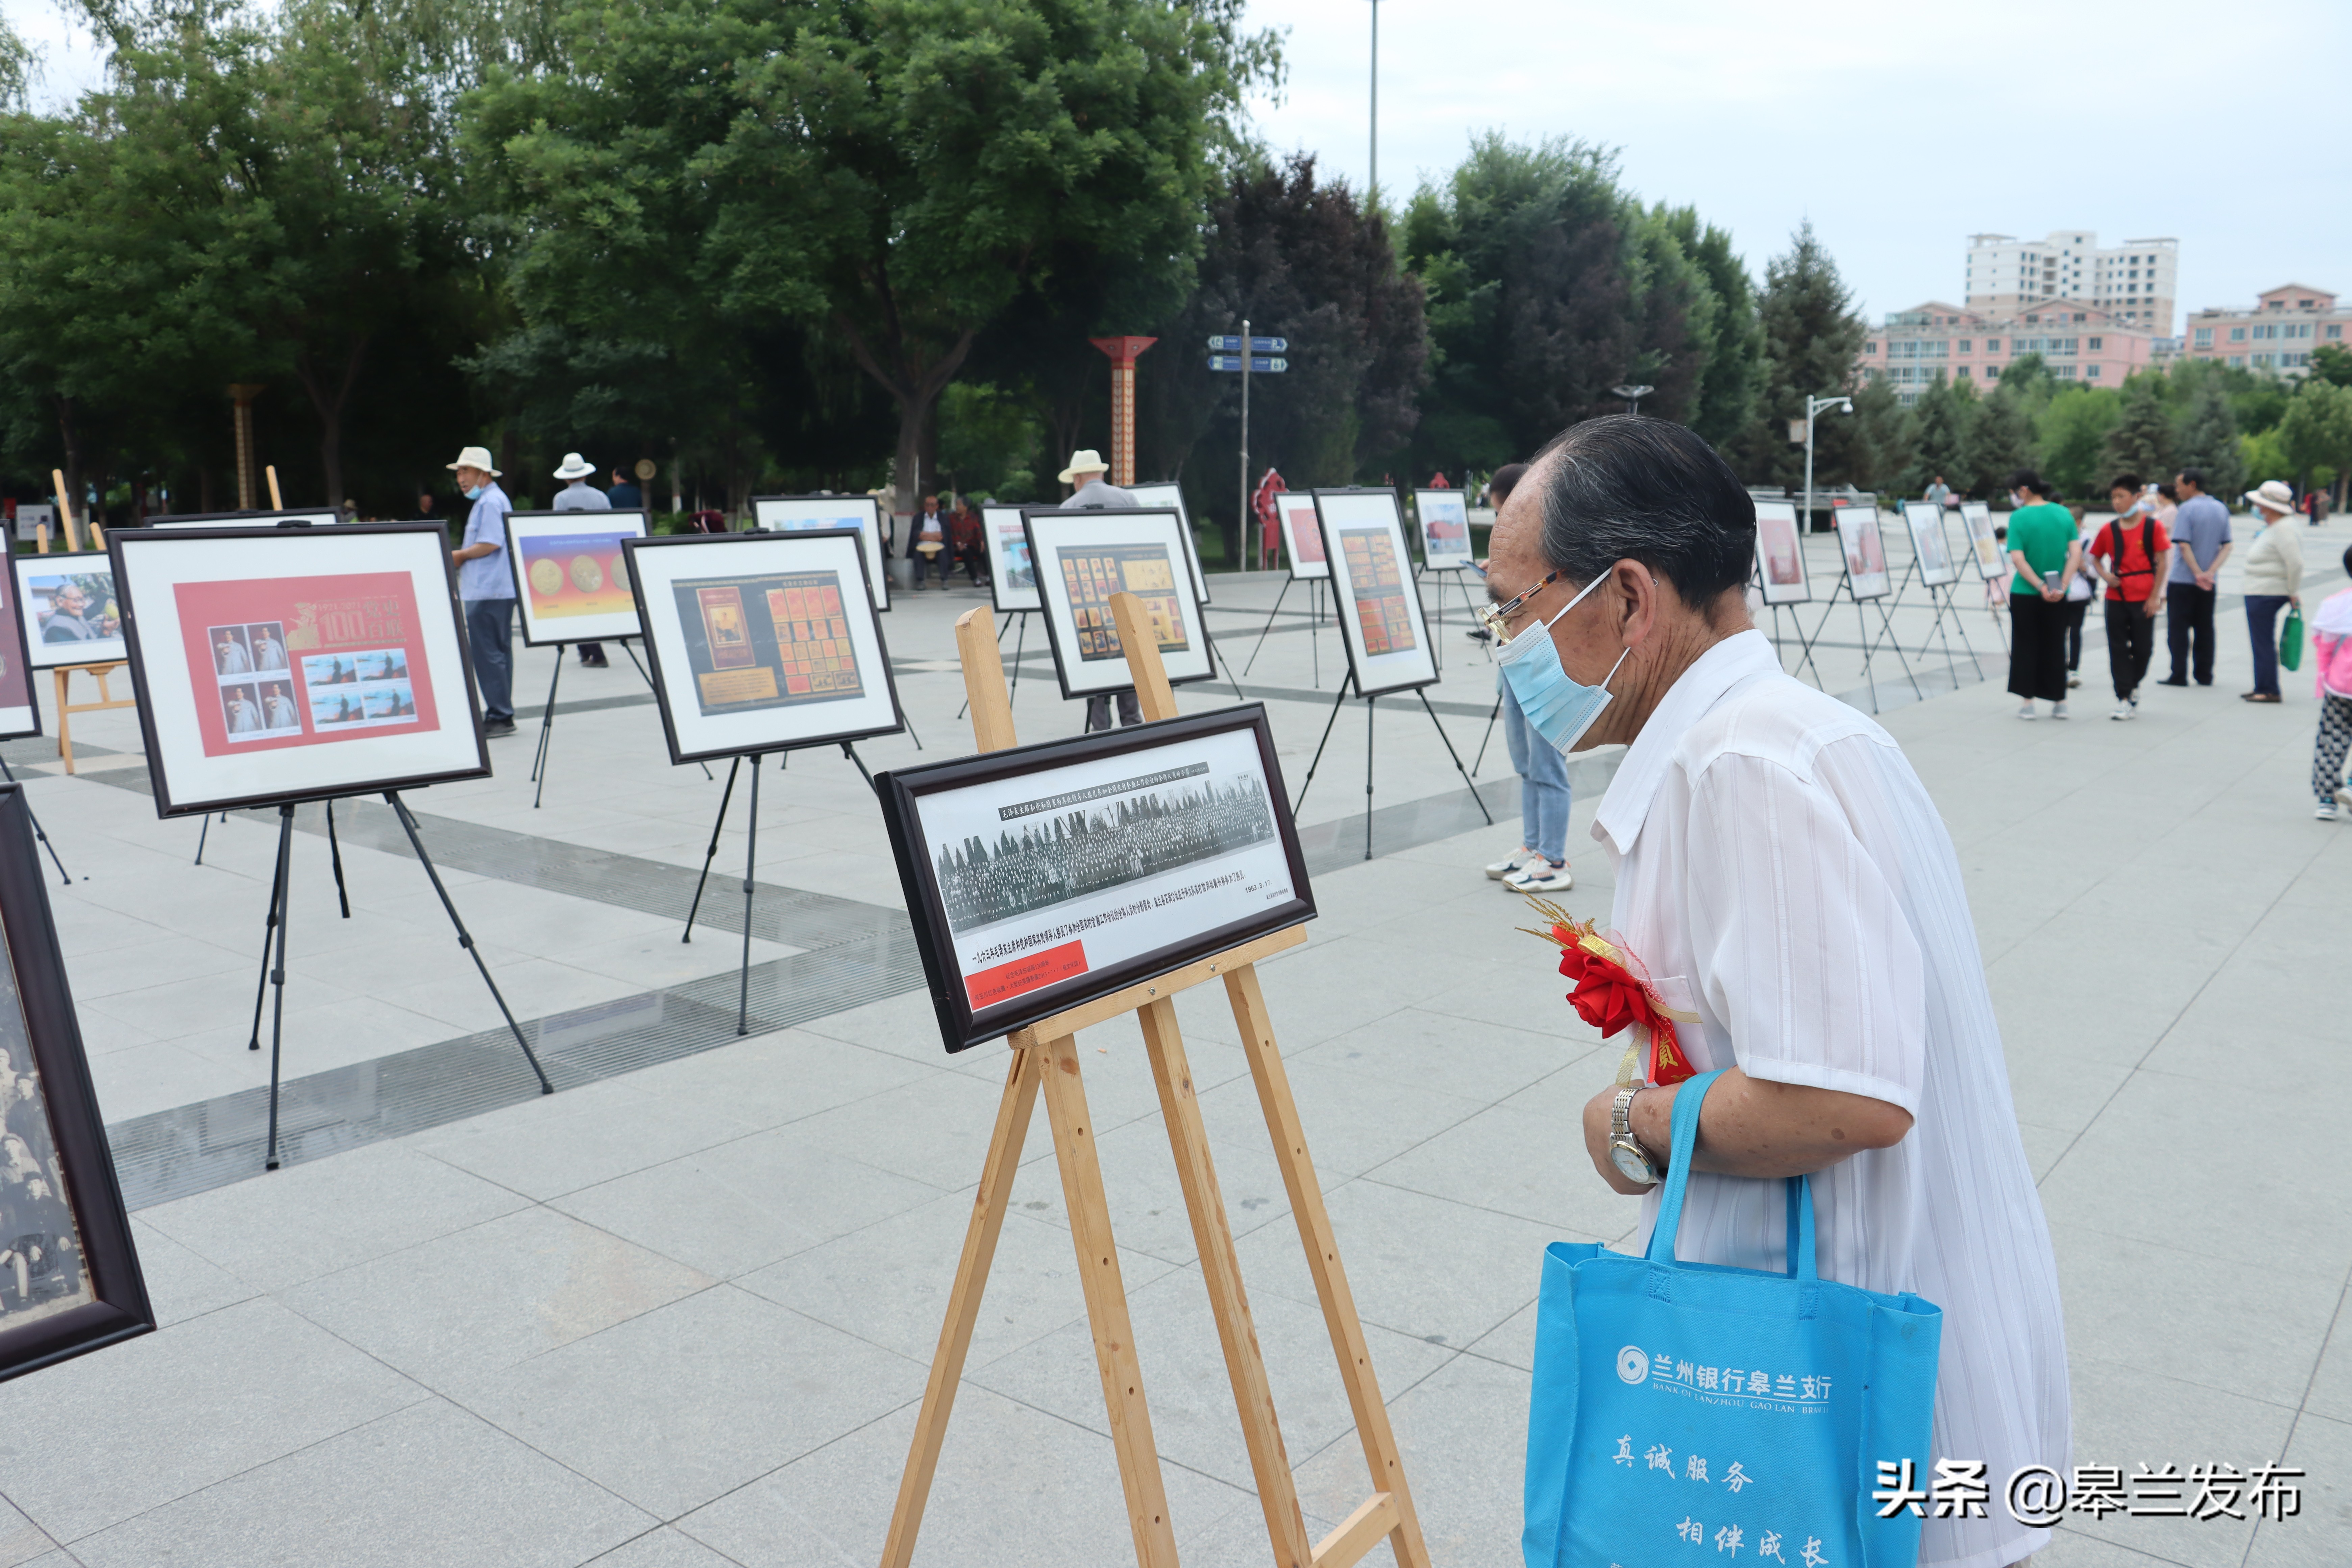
column 2291, row 639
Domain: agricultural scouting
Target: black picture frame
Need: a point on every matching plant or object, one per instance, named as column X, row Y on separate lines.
column 165, row 804
column 876, row 548
column 19, row 644
column 119, row 1308
column 320, row 517
column 901, row 792
column 680, row 757
column 67, row 564
column 524, row 621
column 1343, row 590
column 1064, row 657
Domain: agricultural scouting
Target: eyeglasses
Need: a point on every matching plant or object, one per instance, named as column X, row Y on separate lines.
column 1494, row 617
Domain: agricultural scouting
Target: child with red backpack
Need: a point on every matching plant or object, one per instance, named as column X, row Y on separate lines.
column 2129, row 554
column 2331, row 643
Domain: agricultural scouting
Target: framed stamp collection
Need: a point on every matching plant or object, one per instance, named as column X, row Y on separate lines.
column 1082, row 558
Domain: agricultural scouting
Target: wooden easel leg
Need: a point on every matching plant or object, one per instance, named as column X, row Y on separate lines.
column 1213, row 1234
column 64, row 722
column 1391, row 1498
column 988, row 1210
column 1123, row 1375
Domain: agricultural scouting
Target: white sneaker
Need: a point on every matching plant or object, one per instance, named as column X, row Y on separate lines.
column 2126, row 710
column 2027, row 712
column 1510, row 863
column 2074, row 680
column 2326, row 813
column 2344, row 798
column 1540, row 876
column 2058, row 710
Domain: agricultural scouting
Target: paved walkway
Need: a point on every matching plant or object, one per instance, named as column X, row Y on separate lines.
column 679, row 1313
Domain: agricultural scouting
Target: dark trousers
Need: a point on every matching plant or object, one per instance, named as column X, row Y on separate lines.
column 2261, row 624
column 2131, row 644
column 2188, row 614
column 486, row 628
column 2077, row 610
column 1098, row 711
column 591, row 652
column 2037, row 647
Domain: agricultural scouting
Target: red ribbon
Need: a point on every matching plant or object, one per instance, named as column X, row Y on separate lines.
column 1609, row 996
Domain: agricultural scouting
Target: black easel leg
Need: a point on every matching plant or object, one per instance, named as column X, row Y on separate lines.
column 278, row 974
column 1488, row 736
column 1455, row 755
column 1862, row 621
column 277, row 879
column 750, row 861
column 1317, row 763
column 1019, row 642
column 465, row 937
column 649, row 686
column 1269, row 624
column 1217, row 657
column 546, row 729
column 1368, row 777
column 851, row 753
column 335, row 857
column 62, row 879
column 708, row 854
column 207, row 833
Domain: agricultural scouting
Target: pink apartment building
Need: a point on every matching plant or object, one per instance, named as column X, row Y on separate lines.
column 2277, row 335
column 2078, row 342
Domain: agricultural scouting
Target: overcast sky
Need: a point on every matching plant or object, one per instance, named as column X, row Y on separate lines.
column 1898, row 132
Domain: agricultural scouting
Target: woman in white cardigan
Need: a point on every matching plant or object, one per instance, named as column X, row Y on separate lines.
column 2274, row 580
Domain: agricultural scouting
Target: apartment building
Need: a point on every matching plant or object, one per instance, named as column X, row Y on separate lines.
column 1936, row 342
column 2277, row 335
column 2134, row 282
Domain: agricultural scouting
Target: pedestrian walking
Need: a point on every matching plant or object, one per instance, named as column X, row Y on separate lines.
column 626, row 494
column 2331, row 646
column 2129, row 555
column 1939, row 494
column 2274, row 580
column 2046, row 555
column 1540, row 865
column 2200, row 542
column 486, row 588
column 1093, row 493
column 579, row 495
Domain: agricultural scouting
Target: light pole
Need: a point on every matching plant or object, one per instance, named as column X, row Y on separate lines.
column 1815, row 406
column 1372, row 191
column 1247, row 560
column 1632, row 396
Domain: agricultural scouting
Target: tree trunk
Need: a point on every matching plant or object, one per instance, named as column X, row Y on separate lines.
column 72, row 443
column 328, row 401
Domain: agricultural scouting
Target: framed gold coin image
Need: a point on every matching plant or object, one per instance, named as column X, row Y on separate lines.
column 1081, row 559
column 570, row 583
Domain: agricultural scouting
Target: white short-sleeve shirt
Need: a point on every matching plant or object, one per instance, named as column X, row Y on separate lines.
column 1782, row 873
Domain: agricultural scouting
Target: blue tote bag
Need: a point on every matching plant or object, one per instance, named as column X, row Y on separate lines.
column 1693, row 1405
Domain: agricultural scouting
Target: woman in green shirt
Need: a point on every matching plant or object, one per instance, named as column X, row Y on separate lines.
column 2046, row 552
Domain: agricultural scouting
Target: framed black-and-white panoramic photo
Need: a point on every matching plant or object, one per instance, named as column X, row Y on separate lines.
column 1082, row 558
column 762, row 642
column 1169, row 494
column 570, row 583
column 1372, row 576
column 1011, row 576
column 68, row 605
column 323, row 517
column 1781, row 555
column 20, row 712
column 70, row 1279
column 800, row 514
column 1865, row 553
column 1044, row 876
column 297, row 664
column 1930, row 549
column 1302, row 536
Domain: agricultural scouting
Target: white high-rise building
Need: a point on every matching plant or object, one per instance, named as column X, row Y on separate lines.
column 2134, row 282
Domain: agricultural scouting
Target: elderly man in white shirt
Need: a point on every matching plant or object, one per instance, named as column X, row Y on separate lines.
column 1782, row 874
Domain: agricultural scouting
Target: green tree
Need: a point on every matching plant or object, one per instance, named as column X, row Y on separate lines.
column 1812, row 336
column 2000, row 441
column 2206, row 439
column 1728, row 386
column 2332, row 362
column 2141, row 441
column 2072, row 438
column 1941, row 421
column 2265, row 457
column 2317, row 430
column 1885, row 437
column 990, row 441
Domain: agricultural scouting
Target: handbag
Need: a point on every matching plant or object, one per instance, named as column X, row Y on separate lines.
column 2291, row 639
column 1680, row 1404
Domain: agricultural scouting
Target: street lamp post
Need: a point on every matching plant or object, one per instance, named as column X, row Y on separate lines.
column 1372, row 182
column 1633, row 396
column 1815, row 406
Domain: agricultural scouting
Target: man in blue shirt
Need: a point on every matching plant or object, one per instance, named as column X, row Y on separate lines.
column 625, row 495
column 2200, row 542
column 487, row 588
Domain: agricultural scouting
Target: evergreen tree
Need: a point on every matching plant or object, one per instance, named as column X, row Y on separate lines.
column 1813, row 335
column 2207, row 439
column 1939, row 442
column 1885, row 433
column 1728, row 386
column 2141, row 442
column 2000, row 441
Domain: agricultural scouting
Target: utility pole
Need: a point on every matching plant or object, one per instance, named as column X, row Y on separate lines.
column 1372, row 192
column 1245, row 505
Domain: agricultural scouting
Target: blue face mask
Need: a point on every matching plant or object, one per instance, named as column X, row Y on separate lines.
column 1560, row 709
column 472, row 492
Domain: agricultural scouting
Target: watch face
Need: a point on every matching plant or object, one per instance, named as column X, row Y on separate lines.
column 1632, row 1162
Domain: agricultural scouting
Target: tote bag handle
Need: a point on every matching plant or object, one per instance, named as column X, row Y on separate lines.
column 1802, row 1264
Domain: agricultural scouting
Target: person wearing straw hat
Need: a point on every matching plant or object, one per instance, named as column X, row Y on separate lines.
column 486, row 588
column 579, row 495
column 1093, row 493
column 2274, row 580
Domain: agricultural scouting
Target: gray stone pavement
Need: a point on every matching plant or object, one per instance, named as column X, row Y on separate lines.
column 679, row 1313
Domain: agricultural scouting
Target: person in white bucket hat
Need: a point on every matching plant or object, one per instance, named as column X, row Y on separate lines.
column 579, row 495
column 486, row 588
column 2274, row 580
column 1093, row 492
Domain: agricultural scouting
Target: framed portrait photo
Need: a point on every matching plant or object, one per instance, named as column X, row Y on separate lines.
column 70, row 1278
column 1976, row 519
column 802, row 514
column 1044, row 876
column 1444, row 529
column 1779, row 554
column 1379, row 606
column 1082, row 559
column 762, row 642
column 1865, row 552
column 1302, row 536
column 1929, row 549
column 1169, row 494
column 324, row 517
column 297, row 664
column 570, row 583
column 20, row 714
column 1011, row 575
column 67, row 601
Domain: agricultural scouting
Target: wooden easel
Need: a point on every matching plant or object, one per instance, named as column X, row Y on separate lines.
column 1047, row 1054
column 98, row 672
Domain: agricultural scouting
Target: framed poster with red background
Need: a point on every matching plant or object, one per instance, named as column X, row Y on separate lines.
column 295, row 665
column 19, row 713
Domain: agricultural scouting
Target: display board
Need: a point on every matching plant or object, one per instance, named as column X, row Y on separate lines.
column 1045, row 876
column 1082, row 559
column 571, row 584
column 1865, row 552
column 799, row 515
column 324, row 517
column 1976, row 517
column 1930, row 546
column 297, row 664
column 1444, row 529
column 762, row 642
column 67, row 601
column 1169, row 494
column 1781, row 555
column 20, row 712
column 1372, row 575
column 69, row 1276
column 1011, row 575
column 1302, row 536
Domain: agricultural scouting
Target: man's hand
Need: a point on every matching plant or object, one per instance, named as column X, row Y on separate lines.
column 2154, row 606
column 1597, row 1112
column 1750, row 1127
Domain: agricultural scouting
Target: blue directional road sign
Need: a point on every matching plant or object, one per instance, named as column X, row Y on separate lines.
column 1259, row 364
column 1233, row 345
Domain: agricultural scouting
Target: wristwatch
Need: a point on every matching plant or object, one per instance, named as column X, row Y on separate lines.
column 1633, row 1160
